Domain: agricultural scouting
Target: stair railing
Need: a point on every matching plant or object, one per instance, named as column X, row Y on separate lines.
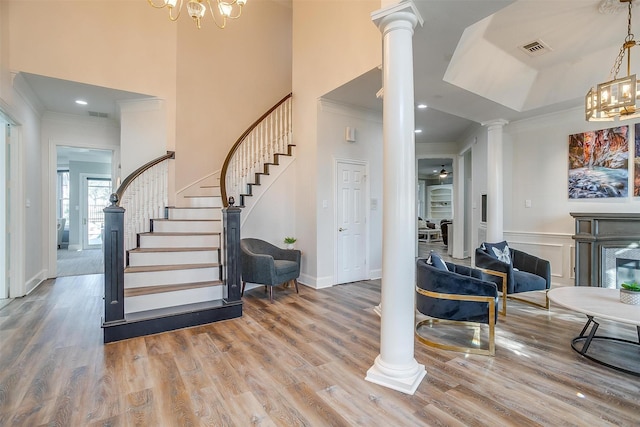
column 269, row 135
column 144, row 195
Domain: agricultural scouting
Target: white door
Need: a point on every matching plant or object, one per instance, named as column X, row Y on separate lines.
column 351, row 224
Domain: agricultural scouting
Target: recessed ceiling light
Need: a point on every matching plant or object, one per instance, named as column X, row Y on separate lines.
column 418, row 131
column 81, row 102
column 422, row 106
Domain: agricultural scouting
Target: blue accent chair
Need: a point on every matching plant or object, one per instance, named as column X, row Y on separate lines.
column 459, row 295
column 268, row 265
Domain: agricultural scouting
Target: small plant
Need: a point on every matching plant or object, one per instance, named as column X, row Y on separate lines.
column 290, row 240
column 633, row 286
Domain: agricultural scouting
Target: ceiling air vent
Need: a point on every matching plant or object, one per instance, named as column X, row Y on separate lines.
column 535, row 48
column 98, row 114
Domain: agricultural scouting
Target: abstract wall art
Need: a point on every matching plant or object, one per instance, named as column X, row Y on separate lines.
column 599, row 163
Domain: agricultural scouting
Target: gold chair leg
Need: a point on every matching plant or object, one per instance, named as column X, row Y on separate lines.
column 271, row 294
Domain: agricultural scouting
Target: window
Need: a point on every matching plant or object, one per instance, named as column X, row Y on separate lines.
column 63, row 196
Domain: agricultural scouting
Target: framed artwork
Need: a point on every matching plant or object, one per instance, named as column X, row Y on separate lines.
column 636, row 163
column 599, row 163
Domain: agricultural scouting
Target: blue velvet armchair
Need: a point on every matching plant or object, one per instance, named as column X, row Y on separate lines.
column 519, row 272
column 266, row 264
column 456, row 294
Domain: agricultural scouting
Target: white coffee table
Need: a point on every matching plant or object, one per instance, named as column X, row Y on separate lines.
column 600, row 303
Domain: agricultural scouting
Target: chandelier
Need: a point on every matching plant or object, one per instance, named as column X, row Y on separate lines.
column 618, row 97
column 220, row 10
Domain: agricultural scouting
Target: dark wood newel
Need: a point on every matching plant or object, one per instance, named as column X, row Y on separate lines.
column 596, row 232
column 113, row 263
column 231, row 224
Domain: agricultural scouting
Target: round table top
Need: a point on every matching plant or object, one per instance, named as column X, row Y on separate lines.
column 598, row 302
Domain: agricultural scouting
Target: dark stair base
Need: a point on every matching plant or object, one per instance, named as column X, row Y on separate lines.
column 163, row 320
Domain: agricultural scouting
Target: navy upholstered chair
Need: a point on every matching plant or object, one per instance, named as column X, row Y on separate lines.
column 518, row 271
column 268, row 265
column 455, row 293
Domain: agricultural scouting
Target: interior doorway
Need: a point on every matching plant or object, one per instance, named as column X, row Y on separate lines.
column 84, row 187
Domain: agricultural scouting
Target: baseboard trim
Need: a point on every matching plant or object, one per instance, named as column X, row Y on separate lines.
column 35, row 281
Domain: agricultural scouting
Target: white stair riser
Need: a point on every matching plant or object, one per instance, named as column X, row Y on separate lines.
column 187, row 226
column 203, row 202
column 170, row 277
column 205, row 191
column 180, row 241
column 139, row 259
column 195, row 213
column 171, row 299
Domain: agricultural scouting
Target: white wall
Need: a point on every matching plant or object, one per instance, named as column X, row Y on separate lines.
column 143, row 133
column 272, row 217
column 333, row 118
column 26, row 112
column 330, row 48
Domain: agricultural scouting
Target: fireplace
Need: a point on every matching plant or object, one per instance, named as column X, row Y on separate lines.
column 607, row 250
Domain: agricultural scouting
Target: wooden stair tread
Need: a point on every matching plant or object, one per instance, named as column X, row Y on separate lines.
column 157, row 289
column 153, row 250
column 196, row 195
column 150, row 268
column 210, row 186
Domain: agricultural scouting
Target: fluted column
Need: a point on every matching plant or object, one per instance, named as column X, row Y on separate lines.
column 495, row 178
column 395, row 367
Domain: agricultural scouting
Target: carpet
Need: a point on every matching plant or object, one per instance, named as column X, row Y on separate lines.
column 76, row 263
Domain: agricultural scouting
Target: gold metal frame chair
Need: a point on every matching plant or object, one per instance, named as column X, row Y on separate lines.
column 477, row 298
column 505, row 296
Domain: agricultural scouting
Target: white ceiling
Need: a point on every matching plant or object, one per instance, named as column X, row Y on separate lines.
column 60, row 95
column 468, row 67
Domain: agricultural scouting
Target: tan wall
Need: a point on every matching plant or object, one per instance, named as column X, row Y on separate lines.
column 333, row 43
column 226, row 80
column 124, row 45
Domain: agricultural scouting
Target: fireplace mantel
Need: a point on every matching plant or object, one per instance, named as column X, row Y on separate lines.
column 595, row 232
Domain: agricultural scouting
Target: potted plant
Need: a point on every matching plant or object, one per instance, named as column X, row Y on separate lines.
column 630, row 293
column 290, row 241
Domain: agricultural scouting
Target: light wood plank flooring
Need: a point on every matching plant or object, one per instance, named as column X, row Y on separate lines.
column 300, row 361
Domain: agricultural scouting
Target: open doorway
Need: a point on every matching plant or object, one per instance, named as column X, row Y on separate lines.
column 84, row 186
column 435, row 206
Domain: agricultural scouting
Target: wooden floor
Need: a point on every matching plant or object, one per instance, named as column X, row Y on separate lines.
column 300, row 361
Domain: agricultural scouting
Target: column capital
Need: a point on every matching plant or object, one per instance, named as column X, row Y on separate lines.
column 403, row 11
column 494, row 124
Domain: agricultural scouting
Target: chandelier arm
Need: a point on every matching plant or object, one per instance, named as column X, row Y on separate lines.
column 171, row 17
column 213, row 15
column 156, row 6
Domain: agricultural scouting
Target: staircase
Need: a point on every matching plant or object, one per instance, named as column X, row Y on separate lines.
column 178, row 261
column 177, row 268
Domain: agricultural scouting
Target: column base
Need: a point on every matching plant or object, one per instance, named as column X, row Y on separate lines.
column 404, row 380
column 378, row 309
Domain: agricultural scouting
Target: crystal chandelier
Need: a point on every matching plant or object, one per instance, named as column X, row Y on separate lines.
column 618, row 97
column 220, row 10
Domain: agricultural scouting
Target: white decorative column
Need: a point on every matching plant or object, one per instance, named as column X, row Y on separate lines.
column 395, row 367
column 495, row 178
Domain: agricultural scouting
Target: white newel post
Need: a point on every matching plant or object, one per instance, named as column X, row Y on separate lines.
column 495, row 177
column 395, row 367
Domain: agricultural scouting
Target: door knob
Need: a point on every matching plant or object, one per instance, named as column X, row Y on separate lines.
column 341, row 229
